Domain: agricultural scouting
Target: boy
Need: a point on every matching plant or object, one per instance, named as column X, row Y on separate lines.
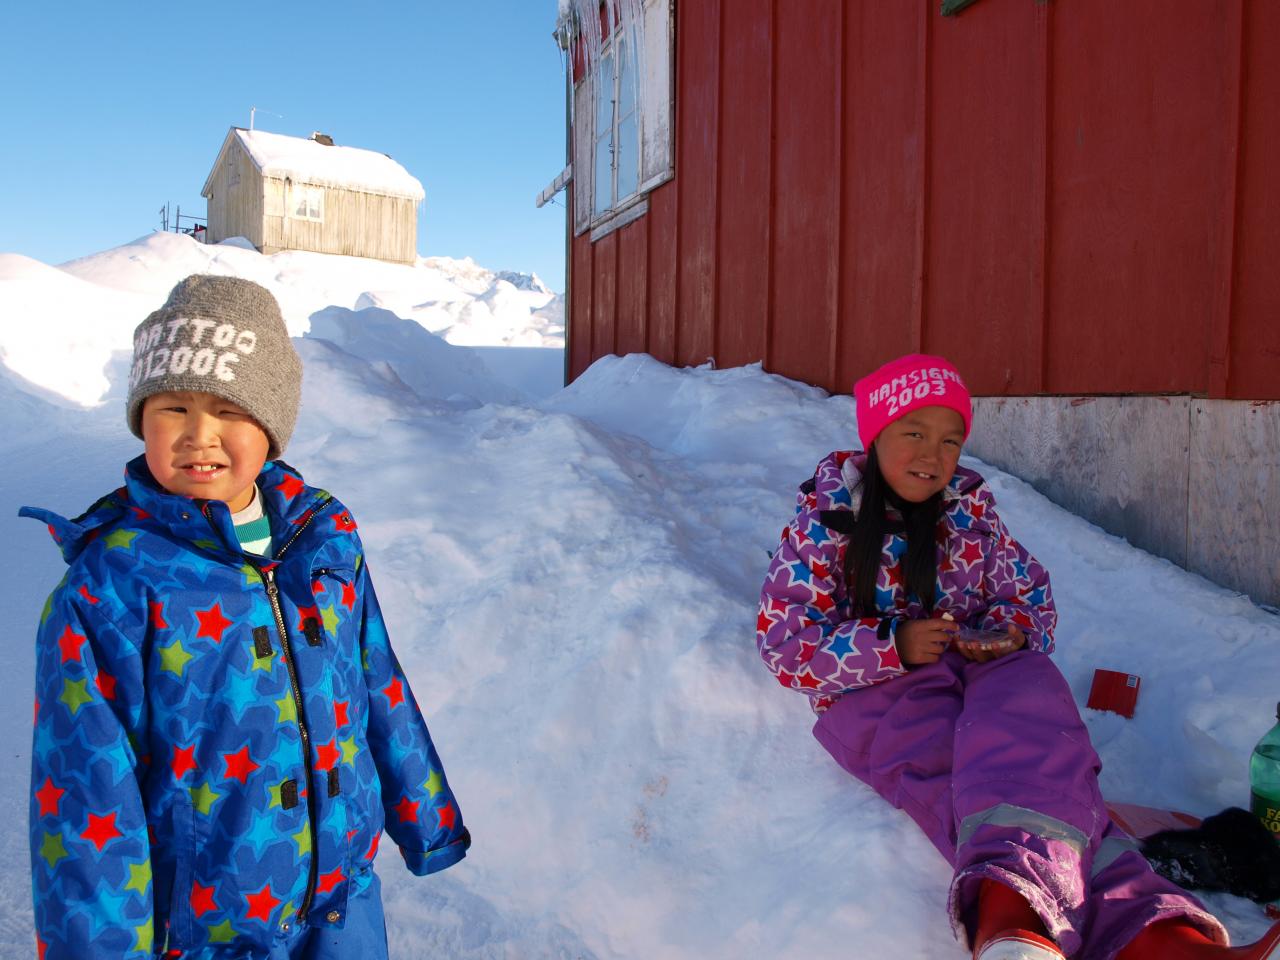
column 221, row 726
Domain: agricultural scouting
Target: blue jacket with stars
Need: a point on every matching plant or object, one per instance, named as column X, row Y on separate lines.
column 220, row 739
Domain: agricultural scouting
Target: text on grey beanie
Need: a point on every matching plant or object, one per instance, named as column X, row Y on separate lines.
column 224, row 336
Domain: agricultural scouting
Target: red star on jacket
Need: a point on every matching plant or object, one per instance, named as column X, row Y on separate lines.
column 327, row 754
column 101, row 830
column 261, row 904
column 202, row 899
column 48, row 797
column 84, row 592
column 70, row 643
column 239, row 765
column 344, row 523
column 394, row 692
column 970, row 554
column 307, row 613
column 290, row 486
column 349, row 596
column 407, row 810
column 106, row 685
column 889, row 659
column 340, row 713
column 809, row 681
column 184, row 759
column 212, row 623
column 762, row 622
column 446, row 815
column 157, row 615
column 328, row 881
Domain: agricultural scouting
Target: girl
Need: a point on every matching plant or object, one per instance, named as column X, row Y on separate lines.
column 892, row 551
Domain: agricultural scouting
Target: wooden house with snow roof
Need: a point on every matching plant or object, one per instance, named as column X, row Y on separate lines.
column 291, row 193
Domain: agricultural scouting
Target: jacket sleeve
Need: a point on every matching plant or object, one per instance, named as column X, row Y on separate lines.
column 1017, row 588
column 422, row 815
column 90, row 856
column 801, row 633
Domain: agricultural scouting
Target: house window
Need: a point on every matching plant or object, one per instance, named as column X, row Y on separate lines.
column 621, row 60
column 308, row 204
column 617, row 133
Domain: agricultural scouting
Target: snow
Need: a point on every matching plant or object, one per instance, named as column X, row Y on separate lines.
column 307, row 161
column 570, row 577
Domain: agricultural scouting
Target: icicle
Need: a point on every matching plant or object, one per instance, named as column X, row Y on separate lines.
column 579, row 20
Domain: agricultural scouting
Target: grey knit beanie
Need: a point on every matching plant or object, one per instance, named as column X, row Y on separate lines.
column 224, row 336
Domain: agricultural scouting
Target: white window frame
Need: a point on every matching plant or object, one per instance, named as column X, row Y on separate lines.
column 308, row 199
column 652, row 51
column 617, row 57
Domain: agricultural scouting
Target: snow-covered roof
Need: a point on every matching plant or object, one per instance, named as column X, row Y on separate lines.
column 307, row 161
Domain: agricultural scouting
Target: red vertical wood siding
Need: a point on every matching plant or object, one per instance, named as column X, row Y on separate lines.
column 882, row 166
column 1063, row 197
column 806, row 161
column 1253, row 368
column 742, row 274
column 633, row 295
column 697, row 154
column 980, row 295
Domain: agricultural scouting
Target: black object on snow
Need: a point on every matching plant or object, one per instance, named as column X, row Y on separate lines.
column 1231, row 851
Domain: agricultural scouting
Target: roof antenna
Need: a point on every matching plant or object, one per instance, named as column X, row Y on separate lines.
column 253, row 110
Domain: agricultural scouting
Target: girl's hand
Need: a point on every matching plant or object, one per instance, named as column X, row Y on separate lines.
column 972, row 651
column 923, row 641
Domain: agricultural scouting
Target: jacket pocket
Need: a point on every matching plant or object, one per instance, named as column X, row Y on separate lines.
column 183, row 840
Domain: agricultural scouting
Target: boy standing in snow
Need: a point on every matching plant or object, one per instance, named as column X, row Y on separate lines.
column 221, row 726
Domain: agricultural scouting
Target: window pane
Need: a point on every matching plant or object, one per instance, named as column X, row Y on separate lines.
column 628, row 156
column 603, row 186
column 605, row 86
column 626, row 81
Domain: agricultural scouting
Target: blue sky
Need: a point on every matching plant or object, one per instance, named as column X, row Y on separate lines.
column 110, row 110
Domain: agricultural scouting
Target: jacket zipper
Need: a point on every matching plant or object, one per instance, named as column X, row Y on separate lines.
column 273, row 596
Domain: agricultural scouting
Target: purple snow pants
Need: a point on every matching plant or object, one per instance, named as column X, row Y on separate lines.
column 994, row 763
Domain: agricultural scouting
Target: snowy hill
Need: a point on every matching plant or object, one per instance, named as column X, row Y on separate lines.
column 571, row 583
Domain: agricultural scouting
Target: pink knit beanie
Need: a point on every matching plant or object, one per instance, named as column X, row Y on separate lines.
column 906, row 384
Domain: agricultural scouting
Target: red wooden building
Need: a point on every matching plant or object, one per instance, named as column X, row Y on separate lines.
column 1068, row 199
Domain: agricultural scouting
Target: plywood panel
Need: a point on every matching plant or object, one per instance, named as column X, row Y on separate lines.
column 1118, row 461
column 1233, row 527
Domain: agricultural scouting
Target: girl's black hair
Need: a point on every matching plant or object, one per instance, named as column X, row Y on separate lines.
column 919, row 525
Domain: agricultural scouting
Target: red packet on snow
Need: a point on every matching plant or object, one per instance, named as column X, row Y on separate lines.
column 1113, row 691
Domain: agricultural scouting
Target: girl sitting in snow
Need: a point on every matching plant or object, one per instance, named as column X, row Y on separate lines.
column 891, row 552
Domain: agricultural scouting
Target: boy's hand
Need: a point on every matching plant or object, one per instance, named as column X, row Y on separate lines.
column 923, row 641
column 978, row 654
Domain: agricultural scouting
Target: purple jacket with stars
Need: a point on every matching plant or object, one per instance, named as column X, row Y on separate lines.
column 805, row 631
column 219, row 739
